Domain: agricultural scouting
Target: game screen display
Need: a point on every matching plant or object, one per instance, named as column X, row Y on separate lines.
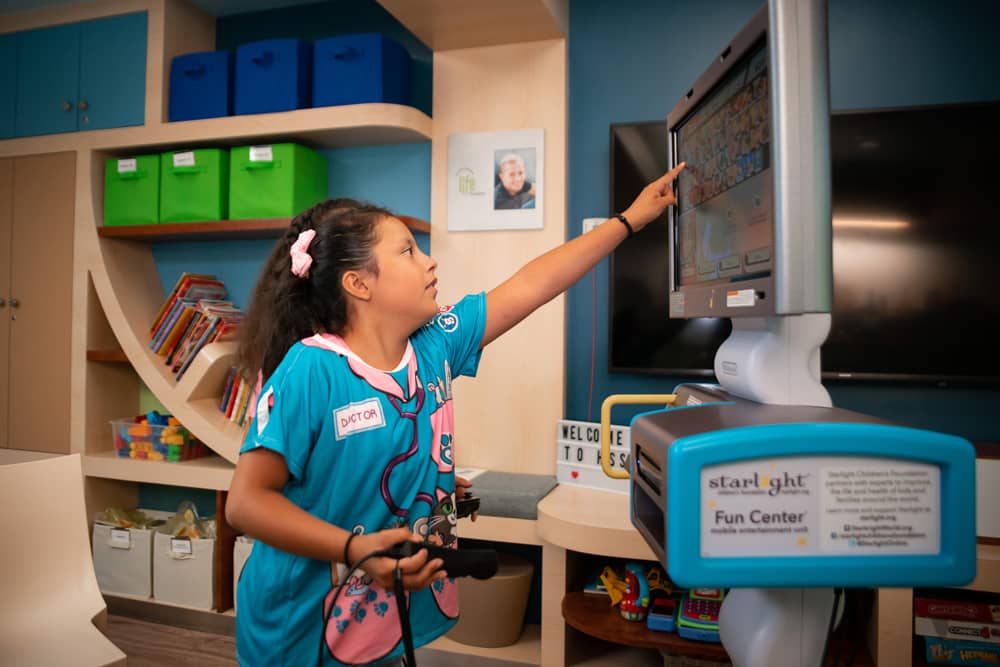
column 726, row 194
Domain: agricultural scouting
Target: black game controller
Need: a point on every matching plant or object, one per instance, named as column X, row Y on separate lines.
column 467, row 506
column 475, row 563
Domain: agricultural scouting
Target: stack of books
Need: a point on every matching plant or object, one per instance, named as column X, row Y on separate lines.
column 236, row 399
column 194, row 315
column 958, row 632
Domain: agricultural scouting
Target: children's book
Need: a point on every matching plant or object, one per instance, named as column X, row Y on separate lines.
column 190, row 286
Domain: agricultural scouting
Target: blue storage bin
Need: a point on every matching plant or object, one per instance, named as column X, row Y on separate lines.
column 201, row 85
column 273, row 75
column 353, row 69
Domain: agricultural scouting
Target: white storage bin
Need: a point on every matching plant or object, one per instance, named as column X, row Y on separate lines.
column 241, row 551
column 123, row 560
column 184, row 571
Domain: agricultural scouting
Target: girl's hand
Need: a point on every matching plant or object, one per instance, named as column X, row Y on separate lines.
column 462, row 487
column 417, row 572
column 653, row 200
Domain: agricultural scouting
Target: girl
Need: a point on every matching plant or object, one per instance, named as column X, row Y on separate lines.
column 351, row 449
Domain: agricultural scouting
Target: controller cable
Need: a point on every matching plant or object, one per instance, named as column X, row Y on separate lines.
column 404, row 612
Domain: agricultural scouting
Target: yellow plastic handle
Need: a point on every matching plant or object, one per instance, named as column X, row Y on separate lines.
column 623, row 399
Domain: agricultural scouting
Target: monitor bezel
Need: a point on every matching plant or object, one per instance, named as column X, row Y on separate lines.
column 801, row 277
column 709, row 300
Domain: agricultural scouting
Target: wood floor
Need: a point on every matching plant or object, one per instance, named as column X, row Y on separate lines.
column 158, row 645
column 154, row 645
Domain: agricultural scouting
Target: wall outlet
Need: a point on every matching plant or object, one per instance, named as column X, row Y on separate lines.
column 590, row 223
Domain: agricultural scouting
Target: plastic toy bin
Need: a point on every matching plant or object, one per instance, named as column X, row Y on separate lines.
column 273, row 75
column 132, row 190
column 493, row 609
column 201, row 85
column 354, row 69
column 154, row 442
column 194, row 185
column 275, row 181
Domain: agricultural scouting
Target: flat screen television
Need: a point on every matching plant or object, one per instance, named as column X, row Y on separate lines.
column 916, row 230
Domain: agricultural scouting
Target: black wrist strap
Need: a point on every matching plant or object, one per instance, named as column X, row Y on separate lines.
column 347, row 545
column 625, row 222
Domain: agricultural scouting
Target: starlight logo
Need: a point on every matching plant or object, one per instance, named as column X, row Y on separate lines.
column 772, row 485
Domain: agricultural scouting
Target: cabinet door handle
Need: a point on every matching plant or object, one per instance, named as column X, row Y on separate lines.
column 2, row 302
column 82, row 105
column 67, row 106
column 14, row 303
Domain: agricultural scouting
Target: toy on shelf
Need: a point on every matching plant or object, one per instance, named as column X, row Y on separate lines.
column 659, row 582
column 635, row 601
column 155, row 437
column 699, row 614
column 186, row 523
column 614, row 586
column 662, row 614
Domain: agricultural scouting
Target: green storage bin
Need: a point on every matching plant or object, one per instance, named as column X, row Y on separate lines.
column 132, row 190
column 194, row 185
column 275, row 181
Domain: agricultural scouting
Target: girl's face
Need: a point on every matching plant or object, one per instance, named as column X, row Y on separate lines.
column 406, row 286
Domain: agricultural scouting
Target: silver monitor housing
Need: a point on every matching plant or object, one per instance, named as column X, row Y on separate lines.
column 797, row 277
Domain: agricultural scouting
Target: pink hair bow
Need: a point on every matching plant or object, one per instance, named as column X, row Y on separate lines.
column 301, row 259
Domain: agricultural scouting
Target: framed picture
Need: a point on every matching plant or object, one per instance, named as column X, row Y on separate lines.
column 495, row 180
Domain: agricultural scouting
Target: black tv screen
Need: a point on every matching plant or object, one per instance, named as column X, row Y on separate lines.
column 916, row 235
column 642, row 338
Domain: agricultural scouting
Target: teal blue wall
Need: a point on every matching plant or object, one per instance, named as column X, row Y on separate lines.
column 883, row 53
column 168, row 498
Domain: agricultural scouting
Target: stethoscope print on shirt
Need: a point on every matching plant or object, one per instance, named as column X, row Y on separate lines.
column 364, row 625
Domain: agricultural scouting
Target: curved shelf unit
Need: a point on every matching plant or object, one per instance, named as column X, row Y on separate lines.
column 372, row 124
column 121, row 266
column 591, row 521
column 593, row 616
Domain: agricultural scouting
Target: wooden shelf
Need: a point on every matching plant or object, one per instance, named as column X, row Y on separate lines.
column 374, row 124
column 526, row 650
column 457, row 24
column 217, row 230
column 269, row 228
column 209, row 472
column 592, row 615
column 591, row 521
column 114, row 356
column 987, row 569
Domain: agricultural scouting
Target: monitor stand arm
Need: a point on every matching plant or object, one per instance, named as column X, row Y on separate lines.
column 776, row 627
column 775, row 359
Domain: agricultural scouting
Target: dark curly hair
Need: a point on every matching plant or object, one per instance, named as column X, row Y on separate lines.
column 284, row 308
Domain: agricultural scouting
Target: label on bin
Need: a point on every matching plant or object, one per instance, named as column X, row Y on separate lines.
column 261, row 154
column 127, row 166
column 180, row 547
column 185, row 159
column 120, row 539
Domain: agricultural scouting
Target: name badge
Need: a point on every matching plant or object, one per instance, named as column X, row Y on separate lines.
column 357, row 417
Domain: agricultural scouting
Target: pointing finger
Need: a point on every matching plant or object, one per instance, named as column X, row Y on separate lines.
column 671, row 175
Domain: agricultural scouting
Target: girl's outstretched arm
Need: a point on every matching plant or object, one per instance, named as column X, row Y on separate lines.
column 545, row 277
